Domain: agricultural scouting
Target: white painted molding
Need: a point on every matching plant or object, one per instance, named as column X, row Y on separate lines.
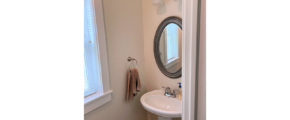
column 101, row 39
column 101, row 100
column 95, row 101
column 189, row 33
column 95, row 97
column 172, row 62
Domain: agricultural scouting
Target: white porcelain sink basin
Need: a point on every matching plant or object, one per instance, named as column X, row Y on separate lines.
column 155, row 102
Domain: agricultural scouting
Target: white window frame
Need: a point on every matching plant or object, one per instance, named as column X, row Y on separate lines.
column 94, row 101
column 173, row 61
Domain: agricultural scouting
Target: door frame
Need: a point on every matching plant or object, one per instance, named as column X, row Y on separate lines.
column 190, row 49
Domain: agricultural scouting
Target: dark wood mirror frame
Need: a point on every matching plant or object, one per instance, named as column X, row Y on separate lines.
column 158, row 33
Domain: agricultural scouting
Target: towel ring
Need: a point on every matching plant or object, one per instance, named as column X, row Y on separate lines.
column 130, row 60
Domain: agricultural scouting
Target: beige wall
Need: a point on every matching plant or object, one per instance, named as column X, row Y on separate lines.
column 201, row 113
column 124, row 32
column 152, row 17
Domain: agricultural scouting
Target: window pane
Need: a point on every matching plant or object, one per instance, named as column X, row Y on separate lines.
column 85, row 82
column 91, row 72
column 172, row 41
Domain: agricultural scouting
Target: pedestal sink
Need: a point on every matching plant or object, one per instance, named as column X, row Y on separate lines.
column 165, row 107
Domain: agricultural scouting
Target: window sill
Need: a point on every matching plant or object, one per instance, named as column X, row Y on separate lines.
column 172, row 62
column 96, row 100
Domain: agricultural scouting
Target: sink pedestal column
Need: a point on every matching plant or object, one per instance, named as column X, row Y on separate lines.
column 163, row 118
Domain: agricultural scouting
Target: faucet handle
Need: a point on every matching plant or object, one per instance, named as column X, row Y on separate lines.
column 174, row 94
column 167, row 90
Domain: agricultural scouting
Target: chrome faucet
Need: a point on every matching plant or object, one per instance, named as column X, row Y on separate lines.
column 168, row 92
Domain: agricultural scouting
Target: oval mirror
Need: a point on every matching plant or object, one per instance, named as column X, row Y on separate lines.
column 168, row 47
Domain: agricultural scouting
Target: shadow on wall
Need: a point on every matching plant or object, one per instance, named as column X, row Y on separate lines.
column 161, row 9
column 180, row 6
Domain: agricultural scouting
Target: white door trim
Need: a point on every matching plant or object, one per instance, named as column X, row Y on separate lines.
column 189, row 55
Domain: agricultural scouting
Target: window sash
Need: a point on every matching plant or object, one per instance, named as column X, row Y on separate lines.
column 92, row 71
column 172, row 41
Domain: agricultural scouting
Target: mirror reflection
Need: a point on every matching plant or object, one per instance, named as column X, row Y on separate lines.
column 170, row 47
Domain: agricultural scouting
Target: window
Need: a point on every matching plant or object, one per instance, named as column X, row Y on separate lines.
column 91, row 69
column 172, row 41
column 96, row 76
column 171, row 44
